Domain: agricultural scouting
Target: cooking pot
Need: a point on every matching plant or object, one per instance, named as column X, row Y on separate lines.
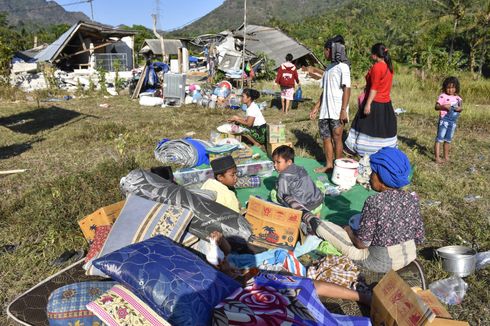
column 458, row 260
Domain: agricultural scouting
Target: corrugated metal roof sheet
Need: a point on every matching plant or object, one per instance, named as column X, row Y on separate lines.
column 273, row 42
column 49, row 53
column 171, row 46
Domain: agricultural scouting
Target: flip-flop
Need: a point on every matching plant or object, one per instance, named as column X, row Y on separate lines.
column 68, row 255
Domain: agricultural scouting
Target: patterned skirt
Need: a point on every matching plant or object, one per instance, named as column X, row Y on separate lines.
column 258, row 133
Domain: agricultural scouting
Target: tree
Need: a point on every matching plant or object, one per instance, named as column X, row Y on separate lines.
column 455, row 9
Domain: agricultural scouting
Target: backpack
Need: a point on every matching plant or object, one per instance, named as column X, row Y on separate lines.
column 287, row 75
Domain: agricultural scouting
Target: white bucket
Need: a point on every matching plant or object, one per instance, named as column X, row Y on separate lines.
column 345, row 172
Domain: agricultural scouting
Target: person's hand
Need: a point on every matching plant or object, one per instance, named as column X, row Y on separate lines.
column 344, row 118
column 314, row 113
column 367, row 109
column 234, row 118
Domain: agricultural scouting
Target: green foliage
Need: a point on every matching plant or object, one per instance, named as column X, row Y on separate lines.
column 142, row 34
column 102, row 80
column 118, row 82
column 267, row 71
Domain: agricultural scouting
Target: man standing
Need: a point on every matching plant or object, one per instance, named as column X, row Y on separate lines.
column 333, row 104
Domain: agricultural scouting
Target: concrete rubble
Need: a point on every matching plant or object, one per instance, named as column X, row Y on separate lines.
column 28, row 77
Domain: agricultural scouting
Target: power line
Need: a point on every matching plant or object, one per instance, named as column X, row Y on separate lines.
column 54, row 5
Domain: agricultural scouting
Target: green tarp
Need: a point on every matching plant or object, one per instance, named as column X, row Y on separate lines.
column 336, row 209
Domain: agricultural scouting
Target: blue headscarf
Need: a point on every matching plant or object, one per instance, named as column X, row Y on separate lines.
column 392, row 166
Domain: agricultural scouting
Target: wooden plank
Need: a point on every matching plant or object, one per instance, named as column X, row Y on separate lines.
column 137, row 89
column 12, row 171
column 81, row 41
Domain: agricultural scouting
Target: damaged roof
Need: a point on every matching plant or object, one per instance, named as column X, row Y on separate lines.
column 153, row 45
column 273, row 42
column 54, row 49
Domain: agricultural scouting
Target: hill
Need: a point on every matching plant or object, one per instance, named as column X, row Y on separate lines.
column 230, row 14
column 38, row 13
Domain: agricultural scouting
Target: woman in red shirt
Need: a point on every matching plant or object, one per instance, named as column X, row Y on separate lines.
column 374, row 126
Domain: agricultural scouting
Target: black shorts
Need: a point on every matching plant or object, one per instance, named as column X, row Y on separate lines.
column 327, row 126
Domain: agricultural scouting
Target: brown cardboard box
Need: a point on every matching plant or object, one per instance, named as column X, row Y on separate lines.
column 395, row 303
column 276, row 133
column 235, row 136
column 103, row 216
column 273, row 226
column 272, row 147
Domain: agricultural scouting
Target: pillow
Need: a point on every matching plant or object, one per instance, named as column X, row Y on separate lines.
column 174, row 282
column 119, row 306
column 141, row 219
column 209, row 216
column 101, row 234
column 67, row 304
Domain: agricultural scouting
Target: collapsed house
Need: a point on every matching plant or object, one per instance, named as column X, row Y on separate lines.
column 83, row 48
column 175, row 51
column 260, row 41
column 90, row 45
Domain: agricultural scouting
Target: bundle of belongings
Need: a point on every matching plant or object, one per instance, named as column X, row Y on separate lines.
column 174, row 255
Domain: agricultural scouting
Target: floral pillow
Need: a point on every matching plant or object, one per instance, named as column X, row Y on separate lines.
column 67, row 304
column 101, row 234
column 119, row 306
column 173, row 281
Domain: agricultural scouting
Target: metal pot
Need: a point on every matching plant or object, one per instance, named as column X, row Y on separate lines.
column 459, row 260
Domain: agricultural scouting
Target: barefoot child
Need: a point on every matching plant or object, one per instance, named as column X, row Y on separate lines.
column 294, row 181
column 225, row 178
column 449, row 105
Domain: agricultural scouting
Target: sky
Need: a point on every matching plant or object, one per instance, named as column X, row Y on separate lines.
column 173, row 13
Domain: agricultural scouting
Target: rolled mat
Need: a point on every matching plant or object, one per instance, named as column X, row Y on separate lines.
column 209, row 216
column 187, row 152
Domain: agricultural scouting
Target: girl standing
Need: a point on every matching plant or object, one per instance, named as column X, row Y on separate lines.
column 449, row 105
column 375, row 125
column 254, row 120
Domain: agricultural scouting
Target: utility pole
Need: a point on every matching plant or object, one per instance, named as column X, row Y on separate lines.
column 162, row 45
column 91, row 8
column 244, row 39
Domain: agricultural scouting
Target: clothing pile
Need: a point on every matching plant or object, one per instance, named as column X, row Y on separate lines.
column 187, row 152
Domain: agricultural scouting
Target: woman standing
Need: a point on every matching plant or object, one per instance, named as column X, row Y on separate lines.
column 375, row 126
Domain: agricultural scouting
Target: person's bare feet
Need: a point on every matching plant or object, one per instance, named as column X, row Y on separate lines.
column 440, row 161
column 324, row 169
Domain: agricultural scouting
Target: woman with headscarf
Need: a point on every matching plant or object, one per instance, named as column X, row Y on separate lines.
column 390, row 223
column 374, row 125
column 333, row 104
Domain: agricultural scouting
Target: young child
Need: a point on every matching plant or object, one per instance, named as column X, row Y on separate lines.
column 287, row 76
column 225, row 178
column 294, row 181
column 449, row 105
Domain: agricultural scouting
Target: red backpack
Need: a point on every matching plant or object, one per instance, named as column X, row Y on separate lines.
column 286, row 76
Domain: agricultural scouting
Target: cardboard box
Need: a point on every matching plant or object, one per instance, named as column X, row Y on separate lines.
column 272, row 147
column 103, row 216
column 276, row 133
column 395, row 303
column 273, row 226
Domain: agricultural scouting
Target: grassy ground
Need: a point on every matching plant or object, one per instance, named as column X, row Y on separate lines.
column 76, row 153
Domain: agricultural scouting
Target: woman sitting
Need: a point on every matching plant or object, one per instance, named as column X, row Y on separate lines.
column 254, row 120
column 390, row 222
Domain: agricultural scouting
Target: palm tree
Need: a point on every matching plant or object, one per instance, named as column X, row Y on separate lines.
column 455, row 9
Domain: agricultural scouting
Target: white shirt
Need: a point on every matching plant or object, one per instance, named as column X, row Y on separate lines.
column 334, row 77
column 254, row 111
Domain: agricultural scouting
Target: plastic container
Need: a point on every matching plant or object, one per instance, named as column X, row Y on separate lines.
column 345, row 172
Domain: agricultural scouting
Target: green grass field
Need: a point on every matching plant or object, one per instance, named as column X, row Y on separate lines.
column 76, row 152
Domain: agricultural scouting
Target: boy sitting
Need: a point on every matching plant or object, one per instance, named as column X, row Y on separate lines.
column 225, row 178
column 294, row 181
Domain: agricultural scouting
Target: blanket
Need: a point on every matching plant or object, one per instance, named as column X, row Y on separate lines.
column 209, row 216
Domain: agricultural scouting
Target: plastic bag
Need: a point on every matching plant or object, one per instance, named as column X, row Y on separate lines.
column 450, row 290
column 482, row 259
column 298, row 95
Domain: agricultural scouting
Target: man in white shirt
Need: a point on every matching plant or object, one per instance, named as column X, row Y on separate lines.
column 333, row 104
